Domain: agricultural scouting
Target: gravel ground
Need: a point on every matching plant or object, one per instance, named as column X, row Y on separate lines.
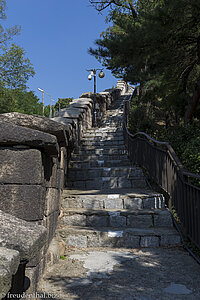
column 129, row 274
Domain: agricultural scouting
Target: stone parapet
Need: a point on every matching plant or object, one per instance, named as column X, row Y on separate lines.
column 34, row 157
column 19, row 242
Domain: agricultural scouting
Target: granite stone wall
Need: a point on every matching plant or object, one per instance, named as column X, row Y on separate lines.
column 34, row 157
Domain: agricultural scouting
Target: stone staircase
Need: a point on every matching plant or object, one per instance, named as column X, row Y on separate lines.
column 108, row 202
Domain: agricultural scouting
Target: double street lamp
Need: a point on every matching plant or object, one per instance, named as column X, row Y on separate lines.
column 93, row 73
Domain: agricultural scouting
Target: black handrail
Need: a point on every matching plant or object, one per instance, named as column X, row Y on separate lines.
column 167, row 171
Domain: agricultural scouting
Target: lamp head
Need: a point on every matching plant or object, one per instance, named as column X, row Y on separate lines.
column 90, row 77
column 101, row 74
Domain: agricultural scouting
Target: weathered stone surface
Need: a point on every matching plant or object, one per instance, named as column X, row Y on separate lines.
column 10, row 259
column 22, row 236
column 74, row 220
column 82, row 100
column 140, row 221
column 68, row 122
column 80, row 104
column 97, row 221
column 39, row 123
column 9, row 262
column 134, row 203
column 72, row 203
column 149, row 241
column 50, row 222
column 51, row 176
column 117, row 221
column 24, row 201
column 171, row 239
column 77, row 241
column 89, row 203
column 72, row 113
column 52, row 201
column 11, row 135
column 20, row 166
column 163, row 219
column 113, row 203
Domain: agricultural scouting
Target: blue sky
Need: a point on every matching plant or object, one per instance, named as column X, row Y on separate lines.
column 56, row 35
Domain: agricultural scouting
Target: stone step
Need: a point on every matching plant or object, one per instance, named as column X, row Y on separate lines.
column 102, row 143
column 106, row 138
column 107, row 129
column 100, row 146
column 91, row 173
column 88, row 237
column 96, row 157
column 103, row 134
column 100, row 163
column 108, row 183
column 113, row 199
column 117, row 218
column 102, row 151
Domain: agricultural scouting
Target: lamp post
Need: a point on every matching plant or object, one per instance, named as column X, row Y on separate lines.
column 93, row 73
column 43, row 92
column 50, row 114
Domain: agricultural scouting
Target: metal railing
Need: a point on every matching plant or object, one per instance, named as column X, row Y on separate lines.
column 164, row 167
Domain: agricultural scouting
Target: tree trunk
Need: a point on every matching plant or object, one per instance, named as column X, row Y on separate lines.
column 193, row 103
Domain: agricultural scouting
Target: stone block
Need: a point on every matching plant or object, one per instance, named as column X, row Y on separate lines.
column 154, row 202
column 74, row 220
column 51, row 175
column 140, row 221
column 77, row 241
column 97, row 221
column 25, row 237
column 113, row 203
column 32, row 278
column 63, row 158
column 11, row 134
column 61, row 177
column 52, row 201
column 163, row 219
column 149, row 241
column 53, row 253
column 72, row 113
column 90, row 204
column 106, row 241
column 131, row 241
column 39, row 123
column 170, row 239
column 93, row 240
column 24, row 201
column 20, row 166
column 9, row 263
column 72, row 203
column 117, row 221
column 133, row 203
column 50, row 222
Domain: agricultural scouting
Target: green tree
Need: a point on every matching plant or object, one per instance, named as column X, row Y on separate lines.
column 62, row 103
column 15, row 68
column 7, row 101
column 26, row 102
column 155, row 44
column 6, row 34
column 19, row 101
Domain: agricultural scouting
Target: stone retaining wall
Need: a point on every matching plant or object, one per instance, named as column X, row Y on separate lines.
column 34, row 156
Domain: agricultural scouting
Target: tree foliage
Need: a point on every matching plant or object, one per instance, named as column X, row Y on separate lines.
column 15, row 68
column 6, row 34
column 19, row 101
column 62, row 103
column 158, row 47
